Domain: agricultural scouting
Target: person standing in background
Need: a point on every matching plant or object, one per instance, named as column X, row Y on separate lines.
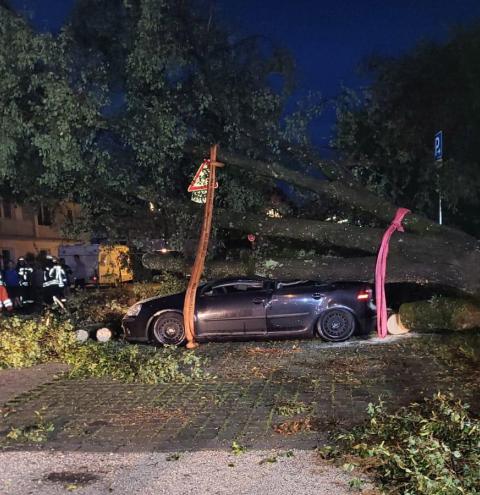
column 38, row 279
column 79, row 272
column 57, row 280
column 69, row 277
column 5, row 301
column 25, row 274
column 12, row 282
column 48, row 280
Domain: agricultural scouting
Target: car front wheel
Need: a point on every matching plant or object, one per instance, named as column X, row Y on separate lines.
column 168, row 329
column 336, row 325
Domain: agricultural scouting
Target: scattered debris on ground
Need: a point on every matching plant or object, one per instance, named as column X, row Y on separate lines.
column 426, row 448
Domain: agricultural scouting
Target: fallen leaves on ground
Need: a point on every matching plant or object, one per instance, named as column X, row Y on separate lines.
column 294, row 426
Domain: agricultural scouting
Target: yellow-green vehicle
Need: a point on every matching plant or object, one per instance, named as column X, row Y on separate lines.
column 105, row 264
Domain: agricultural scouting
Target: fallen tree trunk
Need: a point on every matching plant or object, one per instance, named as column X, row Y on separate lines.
column 427, row 254
column 328, row 268
column 344, row 191
column 363, row 239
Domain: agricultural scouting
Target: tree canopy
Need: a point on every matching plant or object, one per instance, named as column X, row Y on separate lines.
column 387, row 131
column 108, row 111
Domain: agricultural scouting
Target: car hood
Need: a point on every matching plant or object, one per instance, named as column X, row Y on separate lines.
column 174, row 301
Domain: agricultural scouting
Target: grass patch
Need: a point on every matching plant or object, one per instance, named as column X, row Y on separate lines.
column 428, row 448
column 26, row 342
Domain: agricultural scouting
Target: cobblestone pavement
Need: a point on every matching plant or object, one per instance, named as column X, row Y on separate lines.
column 262, row 395
column 19, row 381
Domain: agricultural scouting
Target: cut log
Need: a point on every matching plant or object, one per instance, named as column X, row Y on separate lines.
column 440, row 313
column 103, row 334
column 81, row 335
column 395, row 325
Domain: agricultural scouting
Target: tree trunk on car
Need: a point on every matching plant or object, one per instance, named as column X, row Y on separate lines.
column 441, row 272
column 426, row 253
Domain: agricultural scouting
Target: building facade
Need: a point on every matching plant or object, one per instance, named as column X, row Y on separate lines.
column 28, row 230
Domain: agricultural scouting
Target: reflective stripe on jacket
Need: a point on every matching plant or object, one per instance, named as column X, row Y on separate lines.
column 57, row 276
column 25, row 274
column 4, row 298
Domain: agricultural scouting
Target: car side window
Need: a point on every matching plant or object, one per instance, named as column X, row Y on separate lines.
column 244, row 287
column 234, row 288
column 214, row 291
column 218, row 291
column 296, row 284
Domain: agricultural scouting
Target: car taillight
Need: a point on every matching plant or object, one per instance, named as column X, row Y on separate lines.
column 364, row 295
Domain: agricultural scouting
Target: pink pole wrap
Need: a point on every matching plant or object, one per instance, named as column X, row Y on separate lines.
column 380, row 270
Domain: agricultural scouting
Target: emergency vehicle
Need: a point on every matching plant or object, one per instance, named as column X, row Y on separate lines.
column 105, row 264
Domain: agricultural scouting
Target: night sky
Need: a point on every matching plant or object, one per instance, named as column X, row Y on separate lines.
column 329, row 38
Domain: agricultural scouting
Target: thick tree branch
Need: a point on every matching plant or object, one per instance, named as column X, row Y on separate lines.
column 347, row 236
column 441, row 271
column 349, row 193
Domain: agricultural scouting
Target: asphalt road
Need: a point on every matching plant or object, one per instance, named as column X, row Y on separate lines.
column 202, row 473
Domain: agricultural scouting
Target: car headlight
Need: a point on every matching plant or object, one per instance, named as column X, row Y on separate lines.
column 134, row 310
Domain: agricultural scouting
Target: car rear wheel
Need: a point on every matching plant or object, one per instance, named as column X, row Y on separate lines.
column 336, row 325
column 168, row 329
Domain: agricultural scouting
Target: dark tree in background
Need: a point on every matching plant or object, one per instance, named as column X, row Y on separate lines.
column 387, row 132
column 177, row 78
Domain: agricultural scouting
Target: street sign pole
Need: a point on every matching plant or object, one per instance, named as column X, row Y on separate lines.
column 197, row 270
column 438, row 157
column 440, row 213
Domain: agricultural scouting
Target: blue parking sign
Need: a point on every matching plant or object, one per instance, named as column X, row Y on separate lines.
column 438, row 146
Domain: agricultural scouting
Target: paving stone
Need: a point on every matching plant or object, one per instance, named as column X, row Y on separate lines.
column 252, row 380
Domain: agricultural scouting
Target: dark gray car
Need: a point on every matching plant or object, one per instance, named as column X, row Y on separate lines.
column 242, row 309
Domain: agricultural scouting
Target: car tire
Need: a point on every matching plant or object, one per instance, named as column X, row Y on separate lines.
column 167, row 329
column 336, row 325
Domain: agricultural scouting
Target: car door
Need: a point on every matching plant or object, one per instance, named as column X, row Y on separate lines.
column 232, row 309
column 293, row 307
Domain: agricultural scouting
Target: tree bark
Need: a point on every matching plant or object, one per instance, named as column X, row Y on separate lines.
column 362, row 239
column 443, row 271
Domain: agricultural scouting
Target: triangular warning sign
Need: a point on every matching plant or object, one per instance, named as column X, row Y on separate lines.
column 200, row 181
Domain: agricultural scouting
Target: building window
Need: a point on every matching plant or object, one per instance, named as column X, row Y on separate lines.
column 7, row 209
column 6, row 256
column 44, row 215
column 70, row 215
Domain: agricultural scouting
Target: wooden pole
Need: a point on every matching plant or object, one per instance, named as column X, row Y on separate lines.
column 198, row 266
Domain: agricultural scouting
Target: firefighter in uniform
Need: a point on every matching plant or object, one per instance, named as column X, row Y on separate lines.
column 25, row 273
column 48, row 282
column 58, row 279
